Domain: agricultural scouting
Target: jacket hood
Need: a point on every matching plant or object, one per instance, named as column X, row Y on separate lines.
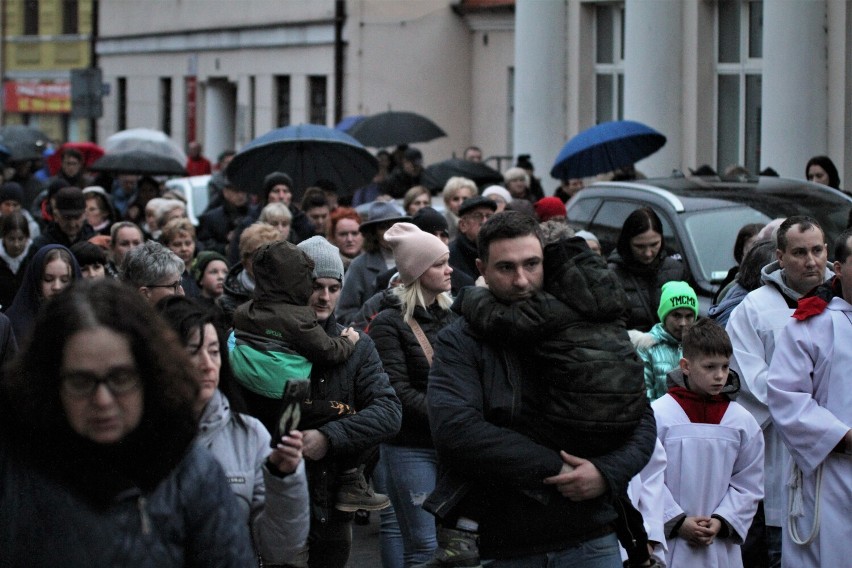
column 282, row 273
column 675, row 378
column 773, row 274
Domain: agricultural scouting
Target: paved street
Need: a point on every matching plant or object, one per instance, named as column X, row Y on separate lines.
column 365, row 545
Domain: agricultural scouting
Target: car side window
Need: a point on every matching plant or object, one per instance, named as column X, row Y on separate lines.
column 609, row 219
column 582, row 211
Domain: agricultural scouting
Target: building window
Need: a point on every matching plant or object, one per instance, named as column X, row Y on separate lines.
column 70, row 19
column 30, row 17
column 166, row 105
column 739, row 83
column 318, row 98
column 121, row 104
column 609, row 62
column 282, row 100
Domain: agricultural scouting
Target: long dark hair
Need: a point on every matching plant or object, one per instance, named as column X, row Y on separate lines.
column 185, row 315
column 825, row 163
column 638, row 222
column 30, row 403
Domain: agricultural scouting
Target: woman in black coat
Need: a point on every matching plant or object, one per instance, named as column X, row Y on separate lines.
column 421, row 308
column 97, row 464
column 641, row 263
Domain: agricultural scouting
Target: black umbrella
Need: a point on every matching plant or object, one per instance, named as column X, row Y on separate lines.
column 24, row 142
column 307, row 153
column 138, row 162
column 437, row 175
column 392, row 128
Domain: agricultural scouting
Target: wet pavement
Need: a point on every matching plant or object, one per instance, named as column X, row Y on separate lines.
column 365, row 545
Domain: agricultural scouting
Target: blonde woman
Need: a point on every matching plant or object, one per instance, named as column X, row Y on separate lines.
column 403, row 334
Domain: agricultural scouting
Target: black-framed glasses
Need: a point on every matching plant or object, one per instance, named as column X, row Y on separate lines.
column 119, row 381
column 175, row 286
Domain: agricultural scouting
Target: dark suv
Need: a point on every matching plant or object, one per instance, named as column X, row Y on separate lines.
column 701, row 216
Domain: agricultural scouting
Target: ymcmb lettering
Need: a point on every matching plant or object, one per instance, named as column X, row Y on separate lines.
column 682, row 301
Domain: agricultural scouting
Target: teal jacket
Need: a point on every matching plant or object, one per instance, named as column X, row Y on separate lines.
column 661, row 353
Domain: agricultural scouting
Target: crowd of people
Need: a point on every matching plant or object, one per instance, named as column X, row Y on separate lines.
column 498, row 388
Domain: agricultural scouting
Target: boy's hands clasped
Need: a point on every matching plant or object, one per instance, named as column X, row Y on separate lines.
column 699, row 531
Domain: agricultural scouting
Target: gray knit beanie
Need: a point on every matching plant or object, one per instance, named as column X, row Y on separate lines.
column 326, row 257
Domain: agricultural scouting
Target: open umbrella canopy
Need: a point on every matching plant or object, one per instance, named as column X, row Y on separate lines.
column 437, row 175
column 91, row 152
column 138, row 162
column 392, row 128
column 349, row 121
column 147, row 140
column 23, row 142
column 605, row 148
column 307, row 153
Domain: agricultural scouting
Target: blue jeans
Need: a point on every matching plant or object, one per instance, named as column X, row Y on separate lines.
column 390, row 537
column 599, row 552
column 411, row 474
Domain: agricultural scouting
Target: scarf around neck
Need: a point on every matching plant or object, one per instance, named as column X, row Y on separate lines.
column 700, row 409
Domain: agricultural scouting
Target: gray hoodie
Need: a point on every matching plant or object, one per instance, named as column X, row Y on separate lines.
column 773, row 274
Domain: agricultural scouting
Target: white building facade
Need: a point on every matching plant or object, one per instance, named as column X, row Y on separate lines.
column 749, row 82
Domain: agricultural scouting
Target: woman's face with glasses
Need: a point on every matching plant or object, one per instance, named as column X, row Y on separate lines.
column 100, row 388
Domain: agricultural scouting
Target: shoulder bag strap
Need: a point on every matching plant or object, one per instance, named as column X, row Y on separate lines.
column 421, row 339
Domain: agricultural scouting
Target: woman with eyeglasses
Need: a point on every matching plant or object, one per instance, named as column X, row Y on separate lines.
column 97, row 461
column 270, row 484
column 52, row 268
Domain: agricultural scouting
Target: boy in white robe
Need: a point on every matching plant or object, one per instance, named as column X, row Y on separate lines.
column 714, row 447
column 810, row 399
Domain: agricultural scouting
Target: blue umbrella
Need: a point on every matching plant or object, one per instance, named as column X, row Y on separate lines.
column 307, row 153
column 605, row 148
column 349, row 121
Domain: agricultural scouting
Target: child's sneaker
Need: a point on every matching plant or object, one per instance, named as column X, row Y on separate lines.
column 355, row 493
column 456, row 549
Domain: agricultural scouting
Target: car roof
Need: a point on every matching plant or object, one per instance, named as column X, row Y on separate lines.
column 697, row 193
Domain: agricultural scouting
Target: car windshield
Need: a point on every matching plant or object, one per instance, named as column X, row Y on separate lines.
column 709, row 232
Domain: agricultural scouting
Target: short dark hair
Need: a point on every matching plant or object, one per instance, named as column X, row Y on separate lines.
column 185, row 315
column 825, row 163
column 506, row 225
column 842, row 251
column 761, row 254
column 706, row 337
column 745, row 233
column 803, row 222
column 638, row 222
column 313, row 197
column 14, row 222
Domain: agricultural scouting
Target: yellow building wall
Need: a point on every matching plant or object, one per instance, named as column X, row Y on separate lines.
column 49, row 50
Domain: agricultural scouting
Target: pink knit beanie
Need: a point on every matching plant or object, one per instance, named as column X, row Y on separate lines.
column 413, row 250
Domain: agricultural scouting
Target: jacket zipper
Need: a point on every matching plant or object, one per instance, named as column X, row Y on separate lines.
column 143, row 515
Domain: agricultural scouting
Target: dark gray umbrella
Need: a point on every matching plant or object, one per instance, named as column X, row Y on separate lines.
column 392, row 128
column 138, row 162
column 307, row 153
column 437, row 175
column 23, row 142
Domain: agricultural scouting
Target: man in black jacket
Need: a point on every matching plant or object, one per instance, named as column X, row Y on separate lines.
column 527, row 502
column 360, row 383
column 472, row 214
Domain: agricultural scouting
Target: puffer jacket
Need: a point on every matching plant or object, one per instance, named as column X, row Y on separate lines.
column 406, row 364
column 275, row 506
column 661, row 353
column 189, row 519
column 477, row 401
column 361, row 383
column 643, row 285
column 593, row 377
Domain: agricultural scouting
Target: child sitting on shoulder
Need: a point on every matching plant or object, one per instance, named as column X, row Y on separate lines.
column 714, row 474
column 277, row 339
